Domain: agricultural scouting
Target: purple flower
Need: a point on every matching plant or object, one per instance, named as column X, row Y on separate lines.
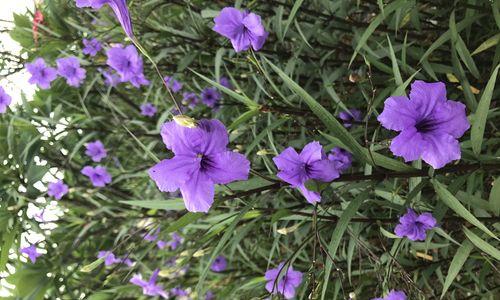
column 353, row 115
column 111, row 79
column 311, row 163
column 119, row 7
column 126, row 61
column 96, row 150
column 176, row 241
column 69, row 68
column 429, row 125
column 177, row 291
column 224, row 81
column 92, row 46
column 41, row 74
column 149, row 288
column 201, row 160
column 138, row 79
column 5, row 100
column 151, row 236
column 148, row 110
column 393, row 295
column 414, row 226
column 127, row 261
column 99, row 176
column 57, row 189
column 210, row 96
column 219, row 264
column 190, row 99
column 209, row 296
column 243, row 28
column 109, row 258
column 161, row 244
column 285, row 285
column 173, row 84
column 342, row 158
column 32, row 253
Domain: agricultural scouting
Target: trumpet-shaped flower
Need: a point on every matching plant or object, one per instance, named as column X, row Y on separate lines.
column 173, row 84
column 342, row 158
column 92, row 46
column 149, row 288
column 282, row 280
column 99, row 176
column 41, row 74
column 351, row 116
column 69, row 68
column 414, row 226
column 31, row 252
column 119, row 7
column 148, row 110
column 210, row 96
column 219, row 264
column 57, row 189
column 96, row 151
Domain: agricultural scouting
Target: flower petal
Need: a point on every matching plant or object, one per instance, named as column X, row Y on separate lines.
column 311, row 197
column 409, row 144
column 426, row 95
column 228, row 166
column 451, row 118
column 427, row 219
column 198, row 193
column 440, row 149
column 311, row 152
column 323, row 170
column 229, row 22
column 169, row 174
column 398, row 113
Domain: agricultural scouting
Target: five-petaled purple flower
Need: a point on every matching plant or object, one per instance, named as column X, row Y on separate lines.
column 99, row 176
column 32, row 253
column 311, row 163
column 57, row 189
column 219, row 264
column 190, row 99
column 414, row 226
column 210, row 96
column 119, row 7
column 96, row 151
column 428, row 123
column 92, row 46
column 243, row 28
column 201, row 160
column 127, row 62
column 342, row 158
column 149, row 288
column 393, row 295
column 283, row 280
column 173, row 84
column 5, row 100
column 351, row 116
column 69, row 68
column 148, row 110
column 41, row 74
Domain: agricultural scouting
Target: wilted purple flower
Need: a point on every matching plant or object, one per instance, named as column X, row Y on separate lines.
column 99, row 176
column 96, row 151
column 429, row 124
column 119, row 7
column 190, row 99
column 151, row 236
column 243, row 28
column 311, row 163
column 5, row 100
column 414, row 226
column 176, row 241
column 219, row 264
column 69, row 68
column 224, row 81
column 201, row 160
column 126, row 61
column 148, row 110
column 149, row 288
column 178, row 292
column 92, row 46
column 32, row 253
column 210, row 96
column 111, row 79
column 57, row 189
column 393, row 295
column 342, row 158
column 288, row 282
column 353, row 115
column 41, row 74
column 174, row 85
column 109, row 258
column 209, row 296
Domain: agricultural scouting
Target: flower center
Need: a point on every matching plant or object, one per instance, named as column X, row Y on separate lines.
column 205, row 162
column 425, row 125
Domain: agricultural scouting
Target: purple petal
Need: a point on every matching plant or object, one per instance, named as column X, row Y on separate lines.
column 229, row 22
column 440, row 149
column 228, row 166
column 409, row 144
column 427, row 219
column 323, row 170
column 312, row 152
column 311, row 197
column 398, row 113
column 169, row 174
column 198, row 193
column 451, row 118
column 425, row 96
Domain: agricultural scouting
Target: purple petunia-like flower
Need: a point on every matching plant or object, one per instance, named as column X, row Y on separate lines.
column 99, row 176
column 210, row 96
column 96, row 150
column 69, row 68
column 173, row 84
column 243, row 28
column 109, row 258
column 428, row 123
column 190, row 99
column 342, row 158
column 201, row 160
column 92, row 46
column 148, row 110
column 351, row 116
column 119, row 7
column 393, row 295
column 41, row 74
column 149, row 288
column 5, row 100
column 311, row 163
column 286, row 285
column 57, row 189
column 32, row 253
column 414, row 226
column 127, row 63
column 219, row 264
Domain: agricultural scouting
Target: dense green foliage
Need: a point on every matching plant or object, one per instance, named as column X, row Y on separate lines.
column 322, row 57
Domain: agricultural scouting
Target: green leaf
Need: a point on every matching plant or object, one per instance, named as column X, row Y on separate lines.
column 457, row 207
column 289, row 21
column 492, row 41
column 90, row 267
column 243, row 118
column 165, row 204
column 482, row 244
column 456, row 264
column 186, row 219
column 395, row 67
column 8, row 240
column 477, row 131
column 495, row 196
